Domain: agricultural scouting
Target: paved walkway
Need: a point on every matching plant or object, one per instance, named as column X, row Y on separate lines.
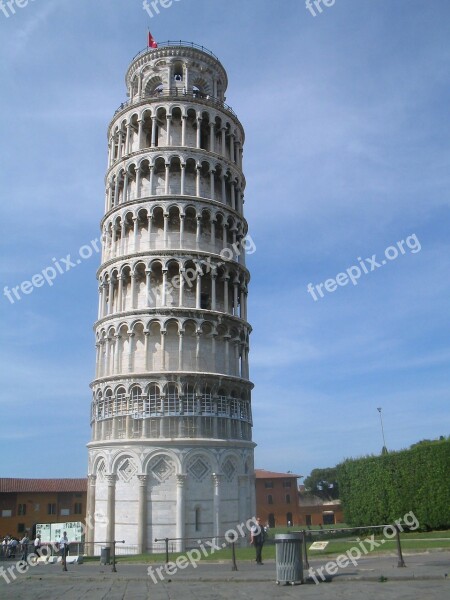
column 377, row 577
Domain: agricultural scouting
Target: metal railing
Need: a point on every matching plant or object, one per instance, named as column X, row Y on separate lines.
column 46, row 549
column 173, row 93
column 175, row 44
column 227, row 543
column 328, row 534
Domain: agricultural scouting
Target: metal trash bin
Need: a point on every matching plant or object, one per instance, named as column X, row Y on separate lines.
column 105, row 556
column 288, row 552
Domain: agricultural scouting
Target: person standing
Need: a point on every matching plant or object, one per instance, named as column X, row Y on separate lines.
column 257, row 538
column 24, row 545
column 63, row 548
column 37, row 544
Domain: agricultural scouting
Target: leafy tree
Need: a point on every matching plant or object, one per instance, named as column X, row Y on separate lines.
column 323, row 483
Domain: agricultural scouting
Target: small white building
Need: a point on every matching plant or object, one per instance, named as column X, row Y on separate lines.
column 171, row 453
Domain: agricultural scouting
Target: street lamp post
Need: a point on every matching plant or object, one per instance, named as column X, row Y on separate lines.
column 384, row 450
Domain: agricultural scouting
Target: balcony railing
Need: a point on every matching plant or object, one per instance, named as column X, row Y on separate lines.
column 174, row 44
column 172, row 93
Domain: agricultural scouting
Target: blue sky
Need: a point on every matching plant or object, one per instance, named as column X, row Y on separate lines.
column 347, row 153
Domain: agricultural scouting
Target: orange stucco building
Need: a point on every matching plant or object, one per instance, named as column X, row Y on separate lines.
column 279, row 502
column 26, row 502
column 277, row 498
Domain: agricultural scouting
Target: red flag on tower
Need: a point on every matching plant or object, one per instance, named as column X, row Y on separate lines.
column 151, row 41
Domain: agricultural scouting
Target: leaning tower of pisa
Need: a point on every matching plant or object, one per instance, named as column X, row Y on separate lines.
column 171, row 453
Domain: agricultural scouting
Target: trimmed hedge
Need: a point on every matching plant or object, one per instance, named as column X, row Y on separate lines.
column 379, row 489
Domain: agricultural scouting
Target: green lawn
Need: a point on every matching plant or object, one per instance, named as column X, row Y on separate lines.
column 414, row 541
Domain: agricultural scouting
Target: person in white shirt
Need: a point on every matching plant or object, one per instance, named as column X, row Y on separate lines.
column 37, row 544
column 63, row 548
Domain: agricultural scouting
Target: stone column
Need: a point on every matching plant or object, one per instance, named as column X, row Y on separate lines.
column 180, row 350
column 142, row 514
column 198, row 291
column 166, row 183
column 252, row 490
column 104, row 302
column 197, row 182
column 213, row 291
column 236, row 358
column 212, row 137
column 198, row 335
column 149, row 231
column 227, row 353
column 199, row 123
column 148, row 284
column 216, row 506
column 181, row 512
column 232, row 143
column 150, row 180
column 163, row 349
column 213, row 357
column 131, row 352
column 164, row 288
column 225, row 293
column 137, row 192
column 120, row 295
column 235, row 298
column 140, row 133
column 136, row 234
column 111, row 509
column 183, row 178
column 212, row 183
column 90, row 516
column 198, row 232
column 154, row 126
column 116, row 191
column 169, row 123
column 182, row 230
column 100, row 301
column 97, row 360
column 242, row 502
column 123, row 230
column 119, row 155
column 224, row 188
column 224, row 145
column 127, row 139
column 242, row 303
column 213, row 235
column 183, row 130
column 182, row 271
column 107, row 355
column 117, row 355
column 166, row 230
column 133, row 290
column 146, row 360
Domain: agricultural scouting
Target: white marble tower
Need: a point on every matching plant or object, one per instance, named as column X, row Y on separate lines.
column 171, row 453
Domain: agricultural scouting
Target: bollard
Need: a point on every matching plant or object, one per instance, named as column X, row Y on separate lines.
column 233, row 554
column 305, row 552
column 401, row 562
column 114, row 570
column 167, row 550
